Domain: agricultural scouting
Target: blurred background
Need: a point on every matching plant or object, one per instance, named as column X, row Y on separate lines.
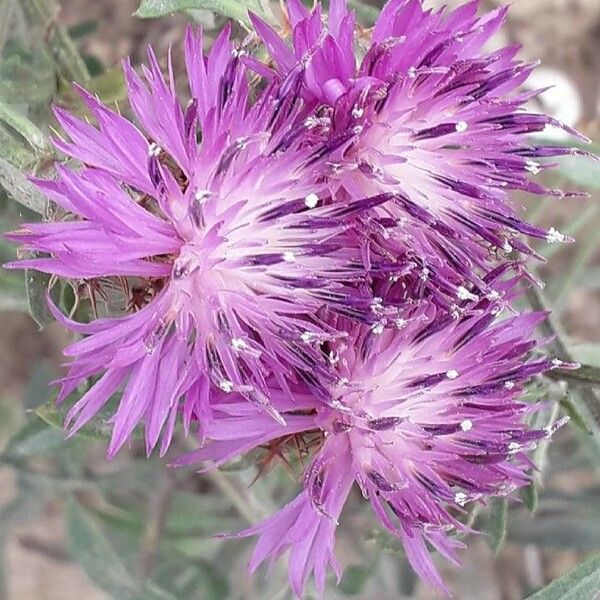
column 73, row 525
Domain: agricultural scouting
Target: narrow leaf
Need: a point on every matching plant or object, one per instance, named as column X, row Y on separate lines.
column 582, row 583
column 234, row 9
column 20, row 188
column 101, row 563
column 496, row 526
column 25, row 128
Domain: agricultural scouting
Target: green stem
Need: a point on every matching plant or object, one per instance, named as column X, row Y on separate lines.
column 538, row 302
column 43, row 13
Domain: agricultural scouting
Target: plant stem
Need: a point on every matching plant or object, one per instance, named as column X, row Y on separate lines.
column 70, row 65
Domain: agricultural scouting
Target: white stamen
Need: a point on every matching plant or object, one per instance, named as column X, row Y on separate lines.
column 311, row 122
column 289, row 257
column 461, row 126
column 461, row 498
column 424, row 274
column 242, row 143
column 507, row 247
column 154, row 149
column 509, row 385
column 307, row 337
column 377, row 304
column 400, row 323
column 343, row 381
column 412, row 72
column 226, row 386
column 333, row 358
column 357, row 112
column 378, row 328
column 357, row 130
column 514, row 447
column 336, row 168
column 239, row 344
column 200, row 195
column 466, row 425
column 533, row 167
column 464, row 294
column 557, row 363
column 452, row 374
column 493, row 295
column 554, row 236
column 311, row 200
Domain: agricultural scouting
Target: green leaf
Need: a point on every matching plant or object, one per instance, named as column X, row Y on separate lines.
column 25, row 128
column 37, row 391
column 36, row 285
column 213, row 584
column 365, row 12
column 530, row 493
column 97, row 429
column 496, row 523
column 94, row 553
column 585, row 172
column 354, row 580
column 33, row 439
column 582, row 583
column 20, row 188
column 585, row 375
column 234, row 9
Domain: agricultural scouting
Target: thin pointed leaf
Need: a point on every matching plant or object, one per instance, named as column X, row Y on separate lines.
column 582, row 583
column 496, row 524
column 95, row 554
column 234, row 9
column 20, row 188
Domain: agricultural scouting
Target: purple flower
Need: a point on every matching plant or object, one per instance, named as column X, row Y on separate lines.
column 228, row 248
column 433, row 119
column 424, row 419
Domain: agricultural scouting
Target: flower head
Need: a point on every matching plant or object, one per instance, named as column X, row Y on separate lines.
column 424, row 420
column 228, row 248
column 430, row 117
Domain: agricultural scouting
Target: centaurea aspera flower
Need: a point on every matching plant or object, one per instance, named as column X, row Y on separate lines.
column 425, row 420
column 431, row 117
column 230, row 245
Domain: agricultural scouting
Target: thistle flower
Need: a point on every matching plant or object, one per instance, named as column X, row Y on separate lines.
column 227, row 248
column 424, row 420
column 430, row 117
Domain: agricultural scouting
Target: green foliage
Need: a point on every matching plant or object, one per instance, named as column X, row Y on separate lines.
column 95, row 554
column 233, row 9
column 496, row 523
column 582, row 583
column 354, row 579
